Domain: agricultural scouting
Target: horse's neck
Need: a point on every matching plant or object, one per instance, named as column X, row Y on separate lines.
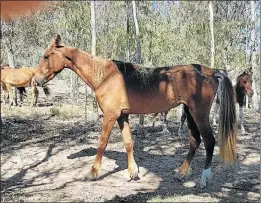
column 84, row 65
column 240, row 94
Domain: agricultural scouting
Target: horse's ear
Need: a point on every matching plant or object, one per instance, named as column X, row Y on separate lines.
column 249, row 71
column 58, row 40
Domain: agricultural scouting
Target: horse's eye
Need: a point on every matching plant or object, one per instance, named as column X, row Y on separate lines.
column 45, row 57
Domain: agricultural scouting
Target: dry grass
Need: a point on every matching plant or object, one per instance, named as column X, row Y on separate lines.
column 180, row 198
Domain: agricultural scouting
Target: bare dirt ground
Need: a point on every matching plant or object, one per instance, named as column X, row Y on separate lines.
column 46, row 150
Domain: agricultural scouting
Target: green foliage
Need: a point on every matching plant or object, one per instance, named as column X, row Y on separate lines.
column 171, row 32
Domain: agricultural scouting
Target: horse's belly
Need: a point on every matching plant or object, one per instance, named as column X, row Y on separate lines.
column 15, row 81
column 146, row 103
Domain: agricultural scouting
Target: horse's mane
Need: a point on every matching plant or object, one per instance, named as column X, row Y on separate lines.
column 142, row 76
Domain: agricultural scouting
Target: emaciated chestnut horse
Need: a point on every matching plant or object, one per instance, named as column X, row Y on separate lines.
column 124, row 88
column 20, row 78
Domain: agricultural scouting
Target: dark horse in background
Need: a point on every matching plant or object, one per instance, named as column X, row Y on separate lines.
column 124, row 88
column 242, row 87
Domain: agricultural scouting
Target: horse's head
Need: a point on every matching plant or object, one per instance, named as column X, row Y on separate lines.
column 245, row 82
column 54, row 61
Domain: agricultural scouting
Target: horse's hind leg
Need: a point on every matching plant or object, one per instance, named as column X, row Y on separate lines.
column 215, row 111
column 202, row 121
column 194, row 142
column 182, row 121
column 126, row 133
column 209, row 143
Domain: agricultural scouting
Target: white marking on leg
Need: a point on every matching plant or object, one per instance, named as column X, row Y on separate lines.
column 247, row 101
column 205, row 177
column 216, row 108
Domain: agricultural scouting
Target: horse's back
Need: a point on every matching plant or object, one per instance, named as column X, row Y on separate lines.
column 152, row 90
column 17, row 77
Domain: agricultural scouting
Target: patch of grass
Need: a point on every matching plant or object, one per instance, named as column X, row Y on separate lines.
column 66, row 111
column 186, row 198
column 61, row 111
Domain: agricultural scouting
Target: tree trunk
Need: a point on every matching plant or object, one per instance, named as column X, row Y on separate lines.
column 141, row 117
column 212, row 34
column 137, row 32
column 128, row 29
column 93, row 26
column 253, row 57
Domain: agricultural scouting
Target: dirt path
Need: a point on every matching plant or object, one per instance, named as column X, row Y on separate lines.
column 45, row 153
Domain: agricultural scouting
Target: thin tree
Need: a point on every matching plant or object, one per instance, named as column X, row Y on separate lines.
column 212, row 34
column 253, row 55
column 128, row 28
column 141, row 120
column 93, row 27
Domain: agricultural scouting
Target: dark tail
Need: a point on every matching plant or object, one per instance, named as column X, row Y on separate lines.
column 47, row 91
column 227, row 120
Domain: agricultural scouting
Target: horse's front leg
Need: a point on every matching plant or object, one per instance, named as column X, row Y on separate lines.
column 109, row 120
column 35, row 94
column 123, row 122
column 154, row 119
column 215, row 113
column 241, row 115
column 5, row 96
column 12, row 100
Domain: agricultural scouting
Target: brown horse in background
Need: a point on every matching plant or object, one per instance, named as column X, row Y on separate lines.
column 19, row 78
column 124, row 88
column 21, row 90
column 242, row 87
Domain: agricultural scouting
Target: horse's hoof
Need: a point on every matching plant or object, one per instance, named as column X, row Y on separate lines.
column 133, row 172
column 204, row 183
column 92, row 175
column 180, row 176
column 205, row 178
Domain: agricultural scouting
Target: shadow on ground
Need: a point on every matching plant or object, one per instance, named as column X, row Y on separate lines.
column 156, row 151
